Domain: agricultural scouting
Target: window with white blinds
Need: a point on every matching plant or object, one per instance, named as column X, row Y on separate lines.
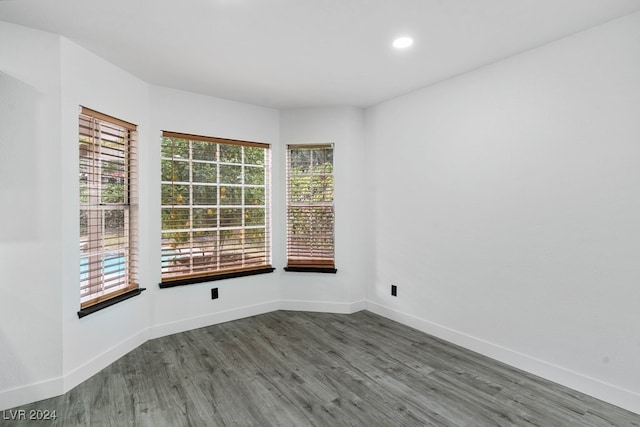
column 108, row 194
column 310, row 208
column 215, row 209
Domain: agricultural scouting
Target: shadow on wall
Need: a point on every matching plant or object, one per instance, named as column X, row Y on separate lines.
column 18, row 161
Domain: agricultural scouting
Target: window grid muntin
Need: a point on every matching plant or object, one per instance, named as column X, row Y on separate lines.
column 247, row 249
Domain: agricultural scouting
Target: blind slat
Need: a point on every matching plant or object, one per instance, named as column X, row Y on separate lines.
column 191, row 137
column 106, row 119
column 214, row 207
column 108, row 223
column 310, row 206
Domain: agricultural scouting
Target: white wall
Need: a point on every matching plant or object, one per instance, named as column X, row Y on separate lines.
column 503, row 204
column 187, row 307
column 344, row 127
column 94, row 341
column 30, row 235
column 506, row 210
column 45, row 349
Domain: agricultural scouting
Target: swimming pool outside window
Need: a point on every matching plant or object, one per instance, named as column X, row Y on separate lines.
column 108, row 223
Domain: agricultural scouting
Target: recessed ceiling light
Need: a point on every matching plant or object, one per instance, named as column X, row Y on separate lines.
column 402, row 42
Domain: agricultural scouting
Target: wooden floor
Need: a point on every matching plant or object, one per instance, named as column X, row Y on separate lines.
column 298, row 369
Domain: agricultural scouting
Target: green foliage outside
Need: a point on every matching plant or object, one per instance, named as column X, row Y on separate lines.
column 204, row 188
column 310, row 211
column 103, row 186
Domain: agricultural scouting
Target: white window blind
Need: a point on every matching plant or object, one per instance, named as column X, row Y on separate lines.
column 215, row 207
column 108, row 194
column 310, row 207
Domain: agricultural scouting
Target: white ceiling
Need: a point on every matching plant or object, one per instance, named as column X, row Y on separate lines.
column 296, row 53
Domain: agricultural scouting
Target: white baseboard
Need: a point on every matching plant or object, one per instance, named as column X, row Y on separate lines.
column 101, row 361
column 323, row 306
column 45, row 389
column 601, row 390
column 30, row 393
column 212, row 319
column 54, row 387
column 57, row 386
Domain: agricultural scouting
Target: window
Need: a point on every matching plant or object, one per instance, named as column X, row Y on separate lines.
column 215, row 209
column 310, row 209
column 108, row 224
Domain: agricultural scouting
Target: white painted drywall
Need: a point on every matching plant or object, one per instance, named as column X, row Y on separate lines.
column 344, row 127
column 187, row 307
column 503, row 203
column 506, row 210
column 94, row 341
column 30, row 235
column 45, row 348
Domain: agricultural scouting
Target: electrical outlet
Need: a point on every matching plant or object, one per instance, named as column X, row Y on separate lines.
column 214, row 293
column 394, row 291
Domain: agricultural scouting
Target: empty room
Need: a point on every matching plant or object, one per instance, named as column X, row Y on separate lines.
column 326, row 213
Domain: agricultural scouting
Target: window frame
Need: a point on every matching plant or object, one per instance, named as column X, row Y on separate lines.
column 300, row 255
column 107, row 155
column 255, row 258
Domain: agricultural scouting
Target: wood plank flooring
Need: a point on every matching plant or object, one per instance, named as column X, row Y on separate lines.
column 315, row 369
